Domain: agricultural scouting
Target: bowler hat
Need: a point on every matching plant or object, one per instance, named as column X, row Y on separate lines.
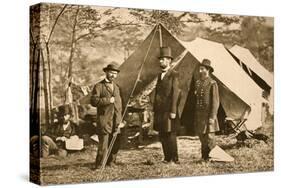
column 112, row 67
column 207, row 63
column 165, row 52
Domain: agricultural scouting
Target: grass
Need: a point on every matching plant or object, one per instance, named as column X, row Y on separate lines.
column 252, row 156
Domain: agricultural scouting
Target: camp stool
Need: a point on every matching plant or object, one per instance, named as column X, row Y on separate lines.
column 236, row 124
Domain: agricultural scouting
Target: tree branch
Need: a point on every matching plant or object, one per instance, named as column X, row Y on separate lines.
column 55, row 23
column 191, row 21
column 73, row 42
column 107, row 28
column 182, row 15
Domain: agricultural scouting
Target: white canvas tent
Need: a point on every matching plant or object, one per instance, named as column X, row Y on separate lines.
column 238, row 93
column 255, row 70
column 246, row 57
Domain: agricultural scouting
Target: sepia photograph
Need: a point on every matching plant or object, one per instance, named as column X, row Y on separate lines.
column 131, row 94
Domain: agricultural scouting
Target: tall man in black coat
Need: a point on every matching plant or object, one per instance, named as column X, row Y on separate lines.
column 206, row 108
column 107, row 98
column 166, row 117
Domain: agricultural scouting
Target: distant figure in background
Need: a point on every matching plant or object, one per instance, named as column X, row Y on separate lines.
column 206, row 108
column 106, row 97
column 166, row 117
column 139, row 111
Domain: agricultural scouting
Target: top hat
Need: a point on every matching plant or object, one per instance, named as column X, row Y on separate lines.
column 165, row 52
column 112, row 67
column 207, row 63
column 65, row 109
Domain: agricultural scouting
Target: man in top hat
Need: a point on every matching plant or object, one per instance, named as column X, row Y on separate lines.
column 53, row 140
column 106, row 97
column 166, row 117
column 206, row 108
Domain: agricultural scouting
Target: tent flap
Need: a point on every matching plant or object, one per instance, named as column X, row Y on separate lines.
column 130, row 68
column 238, row 92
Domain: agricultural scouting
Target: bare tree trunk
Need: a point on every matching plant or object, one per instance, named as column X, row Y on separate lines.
column 50, row 80
column 49, row 62
column 35, row 87
column 73, row 44
column 32, row 72
column 45, row 89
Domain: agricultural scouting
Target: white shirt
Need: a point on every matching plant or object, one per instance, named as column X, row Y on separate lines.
column 162, row 75
column 164, row 72
column 64, row 126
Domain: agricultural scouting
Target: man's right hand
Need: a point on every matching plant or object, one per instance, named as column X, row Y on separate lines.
column 112, row 100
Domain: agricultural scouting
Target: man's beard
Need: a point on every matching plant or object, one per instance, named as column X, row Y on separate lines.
column 202, row 75
column 164, row 68
column 65, row 121
column 110, row 79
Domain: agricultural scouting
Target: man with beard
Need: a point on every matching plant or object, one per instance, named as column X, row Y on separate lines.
column 106, row 97
column 206, row 108
column 166, row 117
column 53, row 140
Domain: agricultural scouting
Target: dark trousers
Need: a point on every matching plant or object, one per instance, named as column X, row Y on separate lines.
column 104, row 142
column 169, row 145
column 208, row 142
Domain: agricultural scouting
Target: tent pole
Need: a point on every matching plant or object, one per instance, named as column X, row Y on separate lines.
column 160, row 36
column 104, row 161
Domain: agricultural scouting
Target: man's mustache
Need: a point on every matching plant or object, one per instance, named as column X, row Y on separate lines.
column 202, row 74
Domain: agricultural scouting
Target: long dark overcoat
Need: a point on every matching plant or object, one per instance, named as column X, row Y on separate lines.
column 108, row 114
column 167, row 94
column 206, row 107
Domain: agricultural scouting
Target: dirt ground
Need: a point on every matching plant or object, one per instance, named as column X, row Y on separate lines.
column 145, row 163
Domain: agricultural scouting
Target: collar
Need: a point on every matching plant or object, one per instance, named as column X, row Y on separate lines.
column 66, row 125
column 107, row 81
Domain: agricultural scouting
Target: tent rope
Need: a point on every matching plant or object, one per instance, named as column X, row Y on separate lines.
column 160, row 36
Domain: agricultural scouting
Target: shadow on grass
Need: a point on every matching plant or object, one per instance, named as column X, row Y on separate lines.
column 230, row 146
column 67, row 166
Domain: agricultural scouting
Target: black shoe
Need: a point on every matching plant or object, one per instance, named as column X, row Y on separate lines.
column 176, row 162
column 112, row 165
column 96, row 167
column 206, row 159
